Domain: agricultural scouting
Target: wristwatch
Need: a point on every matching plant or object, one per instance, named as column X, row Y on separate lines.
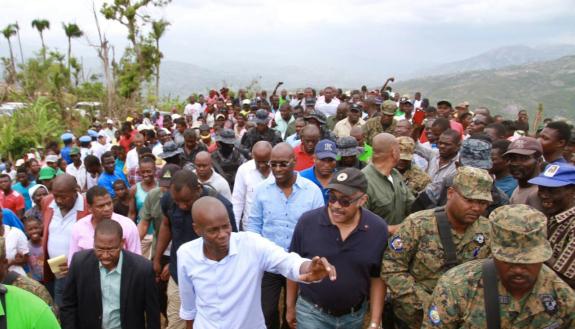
column 374, row 325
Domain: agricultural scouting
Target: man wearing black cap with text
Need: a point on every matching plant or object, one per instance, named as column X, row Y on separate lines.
column 227, row 158
column 351, row 236
column 261, row 132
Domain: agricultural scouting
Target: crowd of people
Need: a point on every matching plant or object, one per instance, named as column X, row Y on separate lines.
column 310, row 210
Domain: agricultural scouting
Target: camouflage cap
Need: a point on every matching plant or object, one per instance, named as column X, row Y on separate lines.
column 406, row 148
column 473, row 183
column 519, row 235
column 388, row 107
column 475, row 153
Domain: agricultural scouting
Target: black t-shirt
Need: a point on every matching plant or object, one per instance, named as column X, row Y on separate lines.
column 181, row 224
column 357, row 259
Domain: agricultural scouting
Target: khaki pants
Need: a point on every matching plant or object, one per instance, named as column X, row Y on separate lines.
column 147, row 246
column 173, row 311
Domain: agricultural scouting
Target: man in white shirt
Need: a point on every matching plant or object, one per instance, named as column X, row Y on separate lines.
column 343, row 128
column 327, row 104
column 102, row 145
column 193, row 110
column 213, row 269
column 248, row 177
column 132, row 159
column 207, row 175
column 77, row 168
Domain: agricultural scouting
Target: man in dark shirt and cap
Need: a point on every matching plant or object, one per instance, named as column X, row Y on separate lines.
column 261, row 132
column 227, row 158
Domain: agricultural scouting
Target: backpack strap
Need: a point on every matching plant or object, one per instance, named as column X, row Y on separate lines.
column 444, row 228
column 490, row 294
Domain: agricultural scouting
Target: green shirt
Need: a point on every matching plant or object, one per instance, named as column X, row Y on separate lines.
column 152, row 212
column 390, row 201
column 110, row 282
column 367, row 153
column 26, row 311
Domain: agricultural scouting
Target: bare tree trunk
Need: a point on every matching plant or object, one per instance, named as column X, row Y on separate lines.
column 20, row 45
column 43, row 45
column 103, row 50
column 158, row 73
column 12, row 65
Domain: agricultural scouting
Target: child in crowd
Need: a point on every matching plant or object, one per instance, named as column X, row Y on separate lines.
column 122, row 198
column 34, row 228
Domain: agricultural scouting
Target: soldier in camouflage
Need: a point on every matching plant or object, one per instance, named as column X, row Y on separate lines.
column 416, row 256
column 381, row 124
column 21, row 281
column 531, row 295
column 415, row 178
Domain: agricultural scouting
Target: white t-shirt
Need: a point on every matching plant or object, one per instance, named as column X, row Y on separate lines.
column 16, row 243
column 328, row 109
column 219, row 184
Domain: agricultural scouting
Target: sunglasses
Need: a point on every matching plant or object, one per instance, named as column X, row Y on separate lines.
column 281, row 164
column 343, row 201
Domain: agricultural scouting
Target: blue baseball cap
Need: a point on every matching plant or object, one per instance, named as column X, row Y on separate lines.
column 67, row 137
column 556, row 175
column 85, row 139
column 326, row 149
column 92, row 133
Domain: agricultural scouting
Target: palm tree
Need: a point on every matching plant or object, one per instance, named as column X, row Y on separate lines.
column 72, row 31
column 41, row 25
column 158, row 30
column 17, row 27
column 8, row 32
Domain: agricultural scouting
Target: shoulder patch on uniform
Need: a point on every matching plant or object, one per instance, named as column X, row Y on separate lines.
column 396, row 244
column 479, row 238
column 549, row 303
column 504, row 299
column 434, row 315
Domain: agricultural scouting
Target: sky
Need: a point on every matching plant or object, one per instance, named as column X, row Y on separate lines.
column 364, row 37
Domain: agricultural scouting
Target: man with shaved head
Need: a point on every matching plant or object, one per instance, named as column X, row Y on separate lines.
column 220, row 273
column 310, row 136
column 62, row 209
column 207, row 175
column 278, row 204
column 250, row 174
column 389, row 196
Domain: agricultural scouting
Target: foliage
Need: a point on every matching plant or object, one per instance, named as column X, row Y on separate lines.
column 30, row 127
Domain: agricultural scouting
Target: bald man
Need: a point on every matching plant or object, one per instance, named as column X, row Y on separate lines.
column 278, row 204
column 207, row 175
column 389, row 196
column 310, row 136
column 250, row 174
column 62, row 209
column 213, row 271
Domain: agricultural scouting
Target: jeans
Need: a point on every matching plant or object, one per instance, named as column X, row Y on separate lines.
column 310, row 317
column 59, row 287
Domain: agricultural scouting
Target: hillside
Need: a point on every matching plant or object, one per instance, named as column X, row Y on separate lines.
column 503, row 90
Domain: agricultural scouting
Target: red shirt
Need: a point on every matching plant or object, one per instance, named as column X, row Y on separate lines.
column 302, row 159
column 452, row 124
column 125, row 142
column 13, row 201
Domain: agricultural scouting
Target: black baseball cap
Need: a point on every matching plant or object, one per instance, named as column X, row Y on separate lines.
column 348, row 181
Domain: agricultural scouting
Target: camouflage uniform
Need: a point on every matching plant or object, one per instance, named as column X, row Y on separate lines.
column 35, row 287
column 373, row 126
column 518, row 236
column 415, row 178
column 415, row 258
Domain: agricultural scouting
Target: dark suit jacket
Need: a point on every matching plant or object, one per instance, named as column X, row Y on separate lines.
column 82, row 300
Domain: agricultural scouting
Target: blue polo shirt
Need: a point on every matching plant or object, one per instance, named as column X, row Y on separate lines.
column 181, row 224
column 310, row 174
column 24, row 191
column 107, row 181
column 357, row 259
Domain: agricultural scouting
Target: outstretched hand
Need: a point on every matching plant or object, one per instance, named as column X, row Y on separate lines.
column 318, row 269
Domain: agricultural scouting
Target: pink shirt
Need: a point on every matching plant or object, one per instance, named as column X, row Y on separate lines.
column 83, row 235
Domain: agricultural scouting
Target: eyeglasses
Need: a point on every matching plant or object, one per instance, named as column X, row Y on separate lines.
column 107, row 251
column 343, row 201
column 281, row 164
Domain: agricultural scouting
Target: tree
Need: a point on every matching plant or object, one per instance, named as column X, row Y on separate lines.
column 72, row 31
column 158, row 30
column 41, row 25
column 8, row 32
column 17, row 27
column 136, row 63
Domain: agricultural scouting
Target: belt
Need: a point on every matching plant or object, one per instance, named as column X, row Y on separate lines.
column 336, row 313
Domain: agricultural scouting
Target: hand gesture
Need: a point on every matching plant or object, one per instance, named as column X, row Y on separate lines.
column 280, row 83
column 318, row 269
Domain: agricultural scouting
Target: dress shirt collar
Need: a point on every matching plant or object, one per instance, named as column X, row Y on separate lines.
column 78, row 205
